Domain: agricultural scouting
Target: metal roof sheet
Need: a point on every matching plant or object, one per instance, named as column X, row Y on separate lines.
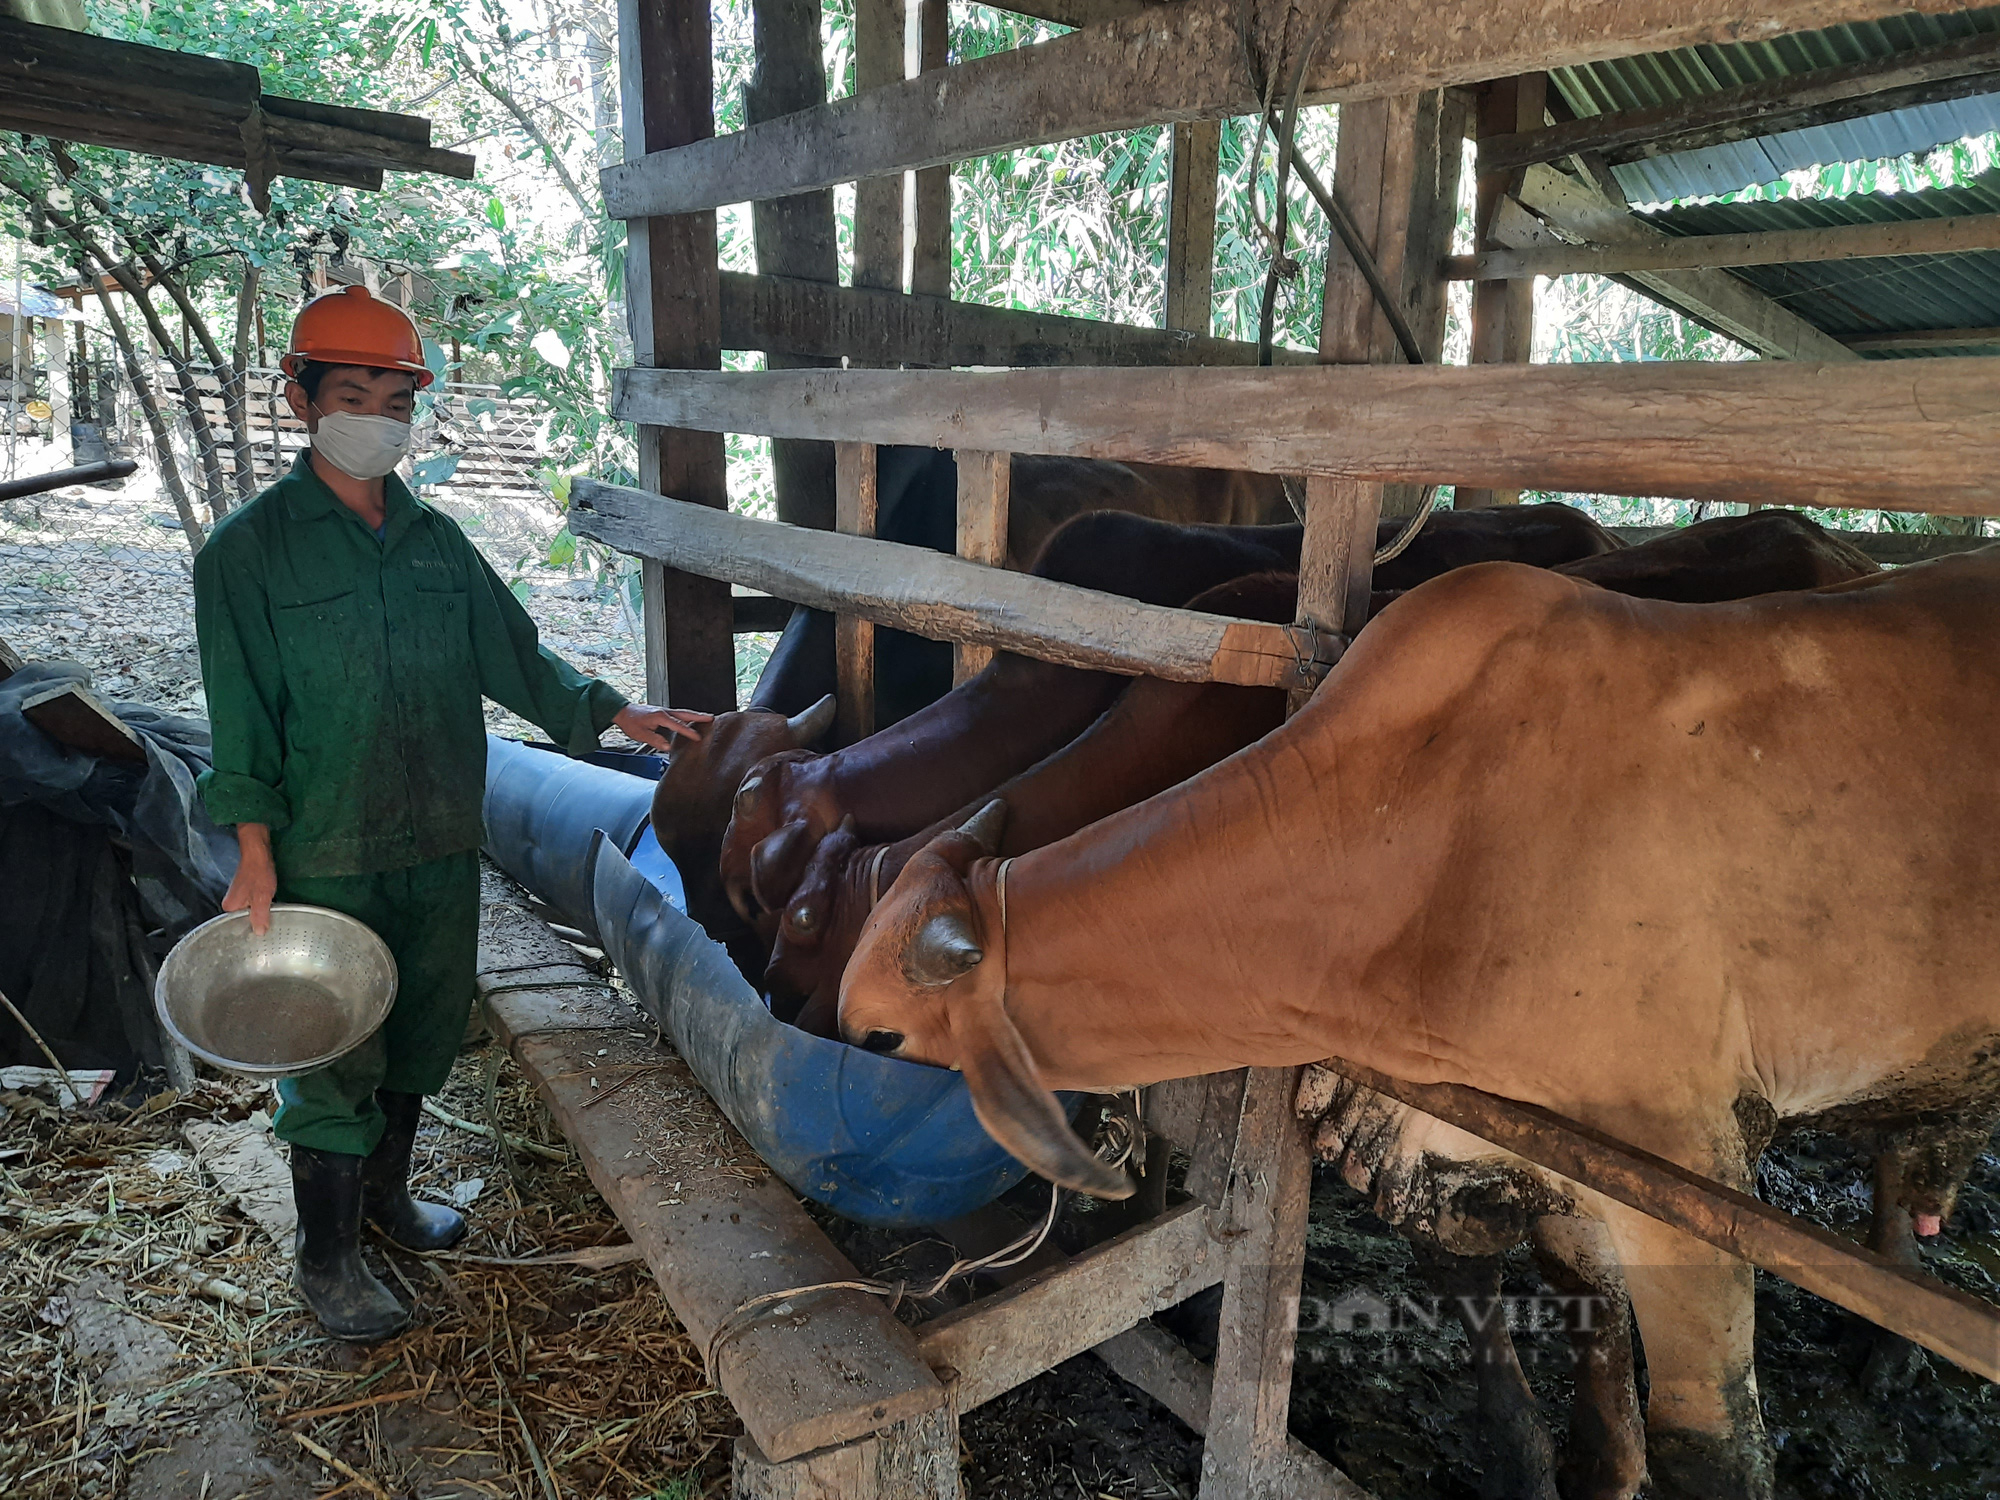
column 1888, row 294
column 1664, row 77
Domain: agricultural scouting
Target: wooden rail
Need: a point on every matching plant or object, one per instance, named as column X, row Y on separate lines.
column 946, row 598
column 715, row 1226
column 1952, row 236
column 1903, row 435
column 1902, row 1299
column 1171, row 63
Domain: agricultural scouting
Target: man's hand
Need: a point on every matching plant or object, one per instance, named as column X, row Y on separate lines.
column 256, row 882
column 658, row 726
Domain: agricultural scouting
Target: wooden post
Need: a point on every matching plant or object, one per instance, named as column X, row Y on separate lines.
column 983, row 480
column 1191, row 227
column 878, row 201
column 794, row 236
column 1503, row 312
column 57, row 354
column 854, row 637
column 673, row 299
column 930, row 259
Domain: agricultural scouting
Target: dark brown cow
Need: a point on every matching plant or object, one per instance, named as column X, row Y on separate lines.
column 1006, row 719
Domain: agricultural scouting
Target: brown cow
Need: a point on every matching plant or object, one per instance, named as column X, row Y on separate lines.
column 1676, row 871
column 1003, row 721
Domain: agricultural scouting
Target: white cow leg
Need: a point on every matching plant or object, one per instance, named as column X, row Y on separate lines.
column 1605, row 1457
column 1697, row 1320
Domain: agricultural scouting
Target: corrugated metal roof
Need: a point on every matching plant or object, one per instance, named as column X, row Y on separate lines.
column 1664, row 77
column 1890, row 294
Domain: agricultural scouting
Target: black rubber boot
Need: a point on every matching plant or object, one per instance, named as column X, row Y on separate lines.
column 385, row 1183
column 338, row 1286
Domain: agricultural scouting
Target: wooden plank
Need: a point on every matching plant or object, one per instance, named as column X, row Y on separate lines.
column 1264, row 1225
column 1503, row 313
column 873, row 327
column 853, row 637
column 930, row 594
column 930, row 253
column 1952, row 236
column 10, row 660
column 1191, row 229
column 1892, row 435
column 1177, row 63
column 1714, row 299
column 916, row 1459
column 878, row 201
column 1920, row 340
column 1797, row 101
column 1080, row 12
column 75, row 717
column 1948, row 1322
column 988, row 1347
column 984, row 482
column 1160, row 1365
column 671, row 298
column 715, row 1226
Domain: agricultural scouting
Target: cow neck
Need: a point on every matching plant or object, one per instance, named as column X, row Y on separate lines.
column 1225, row 923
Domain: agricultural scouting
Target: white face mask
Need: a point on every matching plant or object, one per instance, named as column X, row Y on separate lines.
column 364, row 447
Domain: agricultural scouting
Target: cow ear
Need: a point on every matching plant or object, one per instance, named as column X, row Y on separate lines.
column 944, row 949
column 775, row 865
column 1015, row 1107
column 808, row 724
column 986, row 826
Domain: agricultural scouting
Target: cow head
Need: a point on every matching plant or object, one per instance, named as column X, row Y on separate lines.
column 928, row 983
column 754, row 776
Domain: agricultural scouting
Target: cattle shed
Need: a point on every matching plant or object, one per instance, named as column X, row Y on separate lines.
column 1576, row 108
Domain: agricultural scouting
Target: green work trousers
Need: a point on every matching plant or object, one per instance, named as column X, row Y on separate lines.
column 428, row 914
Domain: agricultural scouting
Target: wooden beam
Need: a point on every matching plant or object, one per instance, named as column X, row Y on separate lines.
column 1177, row 63
column 672, row 299
column 985, row 480
column 793, row 237
column 1919, row 340
column 988, row 1347
column 885, row 328
column 930, row 594
column 1191, row 228
column 1767, row 107
column 1080, row 12
column 930, row 252
column 878, row 201
column 1953, row 236
column 1714, row 299
column 915, row 1459
column 715, row 1226
column 1503, row 313
column 854, row 492
column 1891, row 435
column 1948, row 1322
column 76, row 718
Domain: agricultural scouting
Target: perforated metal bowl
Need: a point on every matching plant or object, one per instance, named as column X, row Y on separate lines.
column 314, row 987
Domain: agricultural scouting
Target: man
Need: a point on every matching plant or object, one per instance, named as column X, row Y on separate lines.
column 348, row 633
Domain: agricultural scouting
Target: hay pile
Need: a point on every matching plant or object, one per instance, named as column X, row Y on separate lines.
column 151, row 1345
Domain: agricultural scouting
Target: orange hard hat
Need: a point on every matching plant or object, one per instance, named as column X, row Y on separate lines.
column 352, row 326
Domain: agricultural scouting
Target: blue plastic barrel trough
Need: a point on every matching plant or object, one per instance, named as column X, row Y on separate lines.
column 877, row 1140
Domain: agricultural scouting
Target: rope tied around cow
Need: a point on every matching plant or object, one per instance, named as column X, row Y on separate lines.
column 1123, row 1135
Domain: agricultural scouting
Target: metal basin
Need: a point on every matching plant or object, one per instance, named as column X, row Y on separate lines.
column 312, row 989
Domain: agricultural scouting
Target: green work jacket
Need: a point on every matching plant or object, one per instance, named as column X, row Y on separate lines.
column 344, row 676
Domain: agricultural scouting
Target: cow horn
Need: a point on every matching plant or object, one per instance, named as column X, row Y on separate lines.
column 808, row 724
column 943, row 949
column 747, row 795
column 1017, row 1110
column 985, row 826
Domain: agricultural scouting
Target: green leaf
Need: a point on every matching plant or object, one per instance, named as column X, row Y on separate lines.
column 437, row 469
column 496, row 213
column 562, row 550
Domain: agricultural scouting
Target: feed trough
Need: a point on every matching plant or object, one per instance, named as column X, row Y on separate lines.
column 312, row 988
column 876, row 1139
